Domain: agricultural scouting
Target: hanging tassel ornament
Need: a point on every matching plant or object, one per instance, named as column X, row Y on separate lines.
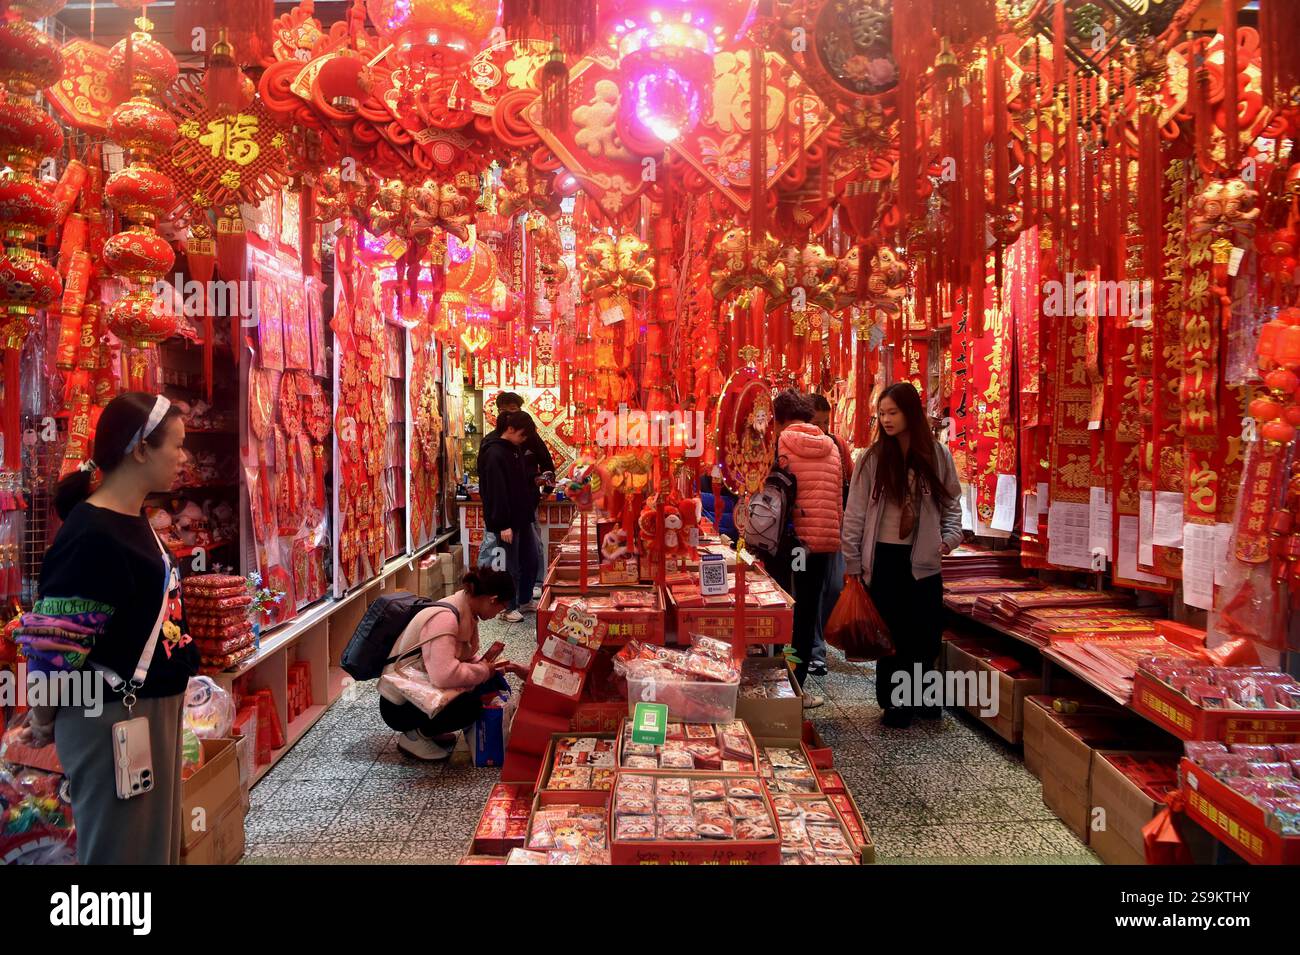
column 572, row 21
column 201, row 255
column 553, row 80
column 224, row 82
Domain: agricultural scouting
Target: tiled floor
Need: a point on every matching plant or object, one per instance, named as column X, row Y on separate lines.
column 942, row 791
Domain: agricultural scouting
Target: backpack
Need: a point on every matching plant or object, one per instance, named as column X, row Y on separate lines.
column 367, row 653
column 768, row 526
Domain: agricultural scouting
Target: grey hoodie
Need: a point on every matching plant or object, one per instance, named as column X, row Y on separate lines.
column 936, row 525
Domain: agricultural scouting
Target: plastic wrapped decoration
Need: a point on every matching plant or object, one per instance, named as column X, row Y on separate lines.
column 191, row 753
column 36, row 825
column 209, row 709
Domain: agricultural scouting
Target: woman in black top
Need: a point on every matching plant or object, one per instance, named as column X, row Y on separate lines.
column 109, row 595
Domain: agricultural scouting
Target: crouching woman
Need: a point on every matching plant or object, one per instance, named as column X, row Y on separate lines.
column 430, row 695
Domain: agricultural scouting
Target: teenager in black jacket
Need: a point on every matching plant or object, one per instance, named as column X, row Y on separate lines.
column 539, row 466
column 509, row 507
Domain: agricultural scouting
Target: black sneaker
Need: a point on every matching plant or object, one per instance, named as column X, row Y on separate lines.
column 816, row 669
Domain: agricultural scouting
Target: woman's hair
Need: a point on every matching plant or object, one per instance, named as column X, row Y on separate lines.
column 820, row 403
column 789, row 405
column 519, row 420
column 122, row 418
column 489, row 582
column 922, row 450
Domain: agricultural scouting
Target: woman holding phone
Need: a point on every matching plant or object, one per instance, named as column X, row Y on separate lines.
column 108, row 601
column 446, row 636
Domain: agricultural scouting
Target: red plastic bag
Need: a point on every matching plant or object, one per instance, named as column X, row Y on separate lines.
column 855, row 626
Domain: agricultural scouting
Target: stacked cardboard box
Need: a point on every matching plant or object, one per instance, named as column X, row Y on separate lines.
column 212, row 807
column 1127, row 790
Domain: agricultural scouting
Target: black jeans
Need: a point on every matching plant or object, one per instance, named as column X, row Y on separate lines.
column 461, row 712
column 808, row 587
column 912, row 610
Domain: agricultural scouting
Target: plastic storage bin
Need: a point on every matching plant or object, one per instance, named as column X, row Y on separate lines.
column 688, row 701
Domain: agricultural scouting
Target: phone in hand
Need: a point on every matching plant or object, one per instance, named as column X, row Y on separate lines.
column 491, row 653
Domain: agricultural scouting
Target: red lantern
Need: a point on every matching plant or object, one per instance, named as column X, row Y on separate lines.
column 153, row 68
column 139, row 254
column 1264, row 409
column 1278, row 431
column 143, row 127
column 140, row 193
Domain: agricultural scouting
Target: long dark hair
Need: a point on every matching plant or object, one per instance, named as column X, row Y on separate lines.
column 922, row 451
column 122, row 418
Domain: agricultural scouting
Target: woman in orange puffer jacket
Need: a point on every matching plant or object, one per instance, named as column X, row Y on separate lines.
column 814, row 460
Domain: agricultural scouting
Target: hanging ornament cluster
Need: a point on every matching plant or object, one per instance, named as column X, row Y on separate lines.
column 142, row 195
column 611, row 269
column 29, row 62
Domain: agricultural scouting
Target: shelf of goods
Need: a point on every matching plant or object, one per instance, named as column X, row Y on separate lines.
column 1104, row 695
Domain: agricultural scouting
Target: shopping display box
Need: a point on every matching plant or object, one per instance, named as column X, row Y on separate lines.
column 644, row 624
column 212, row 809
column 548, row 762
column 1234, row 820
column 763, row 625
column 818, row 751
column 1125, row 805
column 1170, row 709
column 1009, row 720
column 504, row 823
column 767, row 717
column 621, row 739
column 698, row 851
column 1037, row 709
column 598, row 717
column 851, row 816
column 688, row 701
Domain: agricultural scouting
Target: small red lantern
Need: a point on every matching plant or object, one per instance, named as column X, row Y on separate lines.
column 139, row 254
column 140, row 193
column 143, row 127
column 153, row 68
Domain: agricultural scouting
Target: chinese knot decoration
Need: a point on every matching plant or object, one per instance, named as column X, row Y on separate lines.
column 29, row 62
column 142, row 195
column 223, row 159
column 610, row 269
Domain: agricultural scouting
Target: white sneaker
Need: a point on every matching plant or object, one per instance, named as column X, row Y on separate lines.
column 537, row 593
column 414, row 743
column 811, row 701
column 512, row 616
column 530, row 607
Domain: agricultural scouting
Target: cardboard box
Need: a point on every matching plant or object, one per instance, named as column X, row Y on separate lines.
column 777, row 718
column 1009, row 720
column 222, row 844
column 431, row 574
column 1068, row 742
column 1037, row 709
column 857, row 828
column 457, row 552
column 212, row 808
column 644, row 624
column 1126, row 806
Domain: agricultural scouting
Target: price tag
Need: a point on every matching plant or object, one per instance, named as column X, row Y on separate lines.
column 650, row 724
column 1234, row 260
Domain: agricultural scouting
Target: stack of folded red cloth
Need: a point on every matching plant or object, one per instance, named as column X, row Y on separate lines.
column 216, row 612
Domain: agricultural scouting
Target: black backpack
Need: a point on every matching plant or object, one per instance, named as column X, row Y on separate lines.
column 367, row 653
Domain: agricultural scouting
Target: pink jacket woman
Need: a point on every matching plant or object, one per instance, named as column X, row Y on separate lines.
column 814, row 460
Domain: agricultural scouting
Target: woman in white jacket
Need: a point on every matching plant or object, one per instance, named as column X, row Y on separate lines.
column 902, row 516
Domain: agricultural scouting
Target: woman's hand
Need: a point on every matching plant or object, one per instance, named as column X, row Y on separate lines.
column 39, row 731
column 506, row 666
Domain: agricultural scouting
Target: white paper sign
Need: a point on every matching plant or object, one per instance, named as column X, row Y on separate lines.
column 1222, row 538
column 1099, row 524
column 1198, row 565
column 1168, row 525
column 1126, row 559
column 1004, row 507
column 1146, row 521
column 1031, row 513
column 967, row 510
column 1067, row 532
